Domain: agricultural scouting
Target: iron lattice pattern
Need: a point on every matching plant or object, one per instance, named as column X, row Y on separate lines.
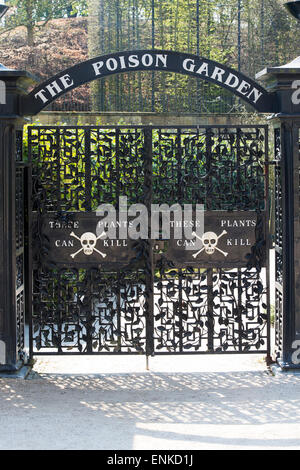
column 211, row 311
column 278, row 243
column 220, row 168
column 120, row 311
column 88, row 311
column 76, row 169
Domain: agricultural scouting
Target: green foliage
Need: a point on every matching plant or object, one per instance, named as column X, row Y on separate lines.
column 36, row 13
column 268, row 35
column 79, row 8
column 109, row 150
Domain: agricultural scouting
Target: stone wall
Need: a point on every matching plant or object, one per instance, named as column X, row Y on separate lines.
column 115, row 118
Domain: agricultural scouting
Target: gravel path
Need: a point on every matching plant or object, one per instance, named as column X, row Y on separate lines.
column 221, row 402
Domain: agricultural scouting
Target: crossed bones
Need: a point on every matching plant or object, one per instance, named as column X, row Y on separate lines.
column 209, row 247
column 90, row 247
column 88, row 243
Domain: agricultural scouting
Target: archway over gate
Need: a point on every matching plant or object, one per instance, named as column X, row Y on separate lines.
column 152, row 60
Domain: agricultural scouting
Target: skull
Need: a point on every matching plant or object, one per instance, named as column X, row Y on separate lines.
column 88, row 242
column 210, row 241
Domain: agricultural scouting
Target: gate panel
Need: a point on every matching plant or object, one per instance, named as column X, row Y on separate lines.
column 154, row 301
column 85, row 310
column 200, row 309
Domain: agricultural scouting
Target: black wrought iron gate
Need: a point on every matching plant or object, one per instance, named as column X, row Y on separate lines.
column 149, row 296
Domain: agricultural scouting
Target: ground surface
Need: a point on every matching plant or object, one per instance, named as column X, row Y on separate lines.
column 194, row 402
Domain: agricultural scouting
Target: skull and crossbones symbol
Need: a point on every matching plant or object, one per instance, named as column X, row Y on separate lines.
column 210, row 242
column 88, row 242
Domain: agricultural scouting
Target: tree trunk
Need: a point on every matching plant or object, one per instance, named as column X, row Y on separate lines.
column 29, row 22
column 30, row 35
column 96, row 46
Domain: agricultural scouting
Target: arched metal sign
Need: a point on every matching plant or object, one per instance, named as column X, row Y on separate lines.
column 187, row 64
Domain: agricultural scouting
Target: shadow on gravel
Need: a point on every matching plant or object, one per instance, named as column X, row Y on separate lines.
column 140, row 410
column 213, row 398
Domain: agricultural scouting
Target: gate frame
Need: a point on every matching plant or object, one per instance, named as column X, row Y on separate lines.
column 282, row 91
column 149, row 267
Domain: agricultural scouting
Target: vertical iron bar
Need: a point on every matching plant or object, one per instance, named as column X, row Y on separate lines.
column 239, row 35
column 89, row 321
column 129, row 47
column 59, row 137
column 208, row 161
column 180, row 188
column 119, row 312
column 87, row 170
column 239, row 307
column 153, row 45
column 117, row 159
column 239, row 271
column 149, row 268
column 210, row 295
column 57, row 156
column 28, row 244
column 180, row 309
column 117, row 108
column 198, row 31
column 28, row 248
column 138, row 47
column 262, row 32
column 110, row 49
column 88, row 208
column 198, row 53
column 210, row 311
column 102, row 51
column 238, row 101
column 180, row 197
column 268, row 243
column 59, row 319
column 288, row 239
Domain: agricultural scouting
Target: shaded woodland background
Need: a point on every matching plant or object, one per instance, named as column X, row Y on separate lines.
column 47, row 36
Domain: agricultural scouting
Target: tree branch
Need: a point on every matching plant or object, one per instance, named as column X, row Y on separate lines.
column 7, row 30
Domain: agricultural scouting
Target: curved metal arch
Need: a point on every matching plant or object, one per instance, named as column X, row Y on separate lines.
column 159, row 60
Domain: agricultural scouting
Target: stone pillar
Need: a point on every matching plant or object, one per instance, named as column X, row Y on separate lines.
column 284, row 83
column 13, row 84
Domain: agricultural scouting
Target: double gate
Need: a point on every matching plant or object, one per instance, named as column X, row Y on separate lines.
column 95, row 295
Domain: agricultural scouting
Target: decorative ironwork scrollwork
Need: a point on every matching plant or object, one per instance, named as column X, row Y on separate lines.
column 149, row 307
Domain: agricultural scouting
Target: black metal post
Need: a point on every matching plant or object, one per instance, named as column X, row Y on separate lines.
column 284, row 83
column 287, row 261
column 12, row 355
